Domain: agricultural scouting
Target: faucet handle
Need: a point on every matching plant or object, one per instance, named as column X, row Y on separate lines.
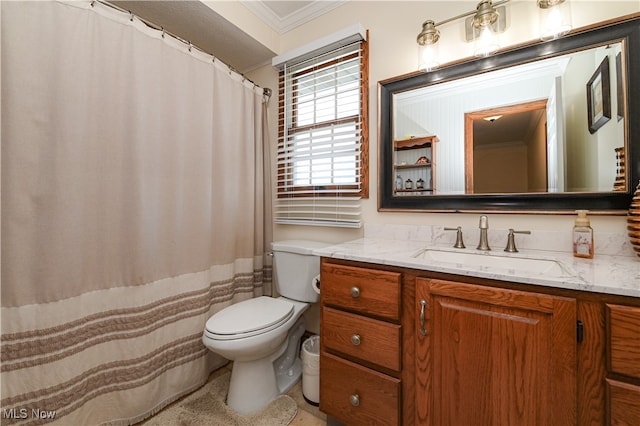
column 511, row 240
column 459, row 243
column 484, row 222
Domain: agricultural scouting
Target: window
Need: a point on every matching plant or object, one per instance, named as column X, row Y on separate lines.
column 323, row 138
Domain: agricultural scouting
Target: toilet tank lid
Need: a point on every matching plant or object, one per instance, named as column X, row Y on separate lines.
column 297, row 246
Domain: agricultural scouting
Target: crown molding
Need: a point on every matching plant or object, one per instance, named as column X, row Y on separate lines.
column 300, row 16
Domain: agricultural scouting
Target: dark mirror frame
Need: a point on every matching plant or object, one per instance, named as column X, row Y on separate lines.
column 625, row 28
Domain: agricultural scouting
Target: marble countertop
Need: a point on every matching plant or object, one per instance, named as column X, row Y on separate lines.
column 610, row 274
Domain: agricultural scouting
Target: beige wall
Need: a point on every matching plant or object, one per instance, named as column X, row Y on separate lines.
column 500, row 168
column 393, row 26
column 537, row 156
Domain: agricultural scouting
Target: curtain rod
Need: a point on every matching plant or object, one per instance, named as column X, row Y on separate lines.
column 265, row 91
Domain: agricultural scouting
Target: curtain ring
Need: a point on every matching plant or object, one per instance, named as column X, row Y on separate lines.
column 130, row 16
column 162, row 28
column 190, row 46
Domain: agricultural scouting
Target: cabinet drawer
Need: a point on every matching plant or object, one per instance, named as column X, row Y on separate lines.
column 623, row 334
column 623, row 403
column 364, row 290
column 364, row 338
column 356, row 395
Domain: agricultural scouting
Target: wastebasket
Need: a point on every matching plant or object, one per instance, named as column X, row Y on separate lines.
column 311, row 370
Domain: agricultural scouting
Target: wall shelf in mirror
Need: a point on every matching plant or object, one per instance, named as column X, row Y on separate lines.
column 414, row 168
column 576, row 169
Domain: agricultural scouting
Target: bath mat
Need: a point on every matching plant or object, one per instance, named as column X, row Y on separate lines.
column 206, row 407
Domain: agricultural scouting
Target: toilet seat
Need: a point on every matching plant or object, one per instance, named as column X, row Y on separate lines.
column 249, row 318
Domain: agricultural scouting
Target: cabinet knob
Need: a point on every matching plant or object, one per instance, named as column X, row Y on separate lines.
column 355, row 292
column 355, row 339
column 355, row 399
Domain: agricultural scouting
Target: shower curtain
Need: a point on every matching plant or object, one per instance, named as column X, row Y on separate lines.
column 133, row 209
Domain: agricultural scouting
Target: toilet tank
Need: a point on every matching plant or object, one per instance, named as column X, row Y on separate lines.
column 295, row 268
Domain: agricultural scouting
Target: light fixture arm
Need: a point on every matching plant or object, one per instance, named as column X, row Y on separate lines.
column 472, row 12
column 546, row 4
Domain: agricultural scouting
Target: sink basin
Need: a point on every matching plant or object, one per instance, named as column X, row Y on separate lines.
column 509, row 264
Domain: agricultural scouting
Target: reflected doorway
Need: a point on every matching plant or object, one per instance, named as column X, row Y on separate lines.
column 506, row 149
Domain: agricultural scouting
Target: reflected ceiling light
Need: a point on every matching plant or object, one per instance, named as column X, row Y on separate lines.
column 555, row 18
column 481, row 27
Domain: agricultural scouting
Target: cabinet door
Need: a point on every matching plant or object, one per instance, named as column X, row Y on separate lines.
column 491, row 356
column 623, row 340
column 623, row 403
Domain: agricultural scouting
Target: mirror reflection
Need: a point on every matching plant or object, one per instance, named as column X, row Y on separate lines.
column 552, row 126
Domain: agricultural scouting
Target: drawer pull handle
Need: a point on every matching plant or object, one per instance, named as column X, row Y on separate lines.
column 423, row 304
column 355, row 399
column 355, row 292
column 355, row 339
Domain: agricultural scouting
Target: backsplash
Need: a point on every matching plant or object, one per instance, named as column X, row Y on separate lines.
column 606, row 243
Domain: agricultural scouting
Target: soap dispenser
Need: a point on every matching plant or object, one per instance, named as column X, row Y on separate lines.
column 582, row 236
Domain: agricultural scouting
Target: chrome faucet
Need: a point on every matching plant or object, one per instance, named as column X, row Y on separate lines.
column 511, row 240
column 484, row 240
column 459, row 242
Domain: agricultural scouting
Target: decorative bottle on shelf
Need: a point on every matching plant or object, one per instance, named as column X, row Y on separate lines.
column 398, row 183
column 633, row 221
column 408, row 184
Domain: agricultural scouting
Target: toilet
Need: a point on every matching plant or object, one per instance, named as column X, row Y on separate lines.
column 262, row 335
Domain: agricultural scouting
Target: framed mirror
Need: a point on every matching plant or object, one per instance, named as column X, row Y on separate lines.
column 546, row 127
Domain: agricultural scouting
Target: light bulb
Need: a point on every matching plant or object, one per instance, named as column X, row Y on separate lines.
column 486, row 42
column 555, row 19
column 428, row 60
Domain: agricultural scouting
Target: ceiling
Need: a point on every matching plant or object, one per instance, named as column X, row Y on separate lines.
column 509, row 128
column 283, row 16
column 197, row 23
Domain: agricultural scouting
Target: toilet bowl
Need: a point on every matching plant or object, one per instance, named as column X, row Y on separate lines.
column 262, row 335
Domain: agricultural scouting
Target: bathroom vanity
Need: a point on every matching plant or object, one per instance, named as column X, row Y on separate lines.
column 406, row 339
column 415, row 332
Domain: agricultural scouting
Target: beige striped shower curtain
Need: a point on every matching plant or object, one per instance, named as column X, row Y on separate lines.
column 133, row 208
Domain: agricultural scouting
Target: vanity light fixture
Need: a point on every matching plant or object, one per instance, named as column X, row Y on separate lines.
column 484, row 29
column 481, row 26
column 428, row 48
column 555, row 18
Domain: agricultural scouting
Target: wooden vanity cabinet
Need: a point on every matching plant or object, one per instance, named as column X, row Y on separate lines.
column 494, row 356
column 623, row 364
column 360, row 345
column 480, row 352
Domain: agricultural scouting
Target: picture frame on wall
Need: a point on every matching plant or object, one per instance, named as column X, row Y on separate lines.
column 619, row 87
column 599, row 96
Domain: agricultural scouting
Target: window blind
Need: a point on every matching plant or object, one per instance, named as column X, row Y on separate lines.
column 319, row 159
